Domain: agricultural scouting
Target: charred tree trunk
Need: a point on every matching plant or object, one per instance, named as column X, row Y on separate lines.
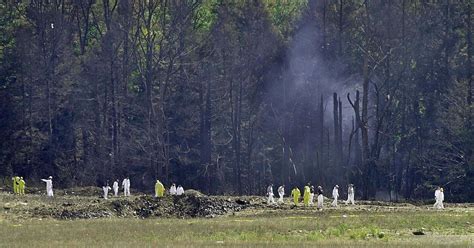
column 340, row 148
column 205, row 146
column 337, row 113
column 336, row 128
column 358, row 149
column 364, row 127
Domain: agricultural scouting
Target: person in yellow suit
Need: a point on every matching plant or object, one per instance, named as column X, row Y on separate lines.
column 22, row 185
column 296, row 195
column 17, row 184
column 159, row 189
column 306, row 195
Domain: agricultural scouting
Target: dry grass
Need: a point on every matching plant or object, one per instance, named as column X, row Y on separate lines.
column 360, row 226
column 388, row 229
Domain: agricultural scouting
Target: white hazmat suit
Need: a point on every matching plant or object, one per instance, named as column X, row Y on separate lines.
column 311, row 196
column 441, row 199
column 320, row 198
column 115, row 186
column 350, row 194
column 173, row 189
column 106, row 191
column 270, row 195
column 179, row 190
column 335, row 195
column 49, row 186
column 126, row 187
column 281, row 193
column 437, row 192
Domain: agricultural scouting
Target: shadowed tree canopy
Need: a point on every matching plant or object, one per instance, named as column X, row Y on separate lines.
column 229, row 96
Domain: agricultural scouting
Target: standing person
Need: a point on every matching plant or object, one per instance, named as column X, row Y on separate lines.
column 21, row 186
column 350, row 194
column 18, row 184
column 173, row 189
column 437, row 192
column 124, row 183
column 159, row 189
column 281, row 193
column 296, row 195
column 15, row 188
column 49, row 186
column 106, row 189
column 441, row 198
column 320, row 197
column 311, row 195
column 306, row 194
column 335, row 195
column 179, row 190
column 115, row 186
column 126, row 186
column 270, row 195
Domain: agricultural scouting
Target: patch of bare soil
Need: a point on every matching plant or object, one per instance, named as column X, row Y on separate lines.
column 84, row 203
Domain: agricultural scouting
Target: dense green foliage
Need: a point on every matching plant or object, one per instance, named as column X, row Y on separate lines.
column 229, row 96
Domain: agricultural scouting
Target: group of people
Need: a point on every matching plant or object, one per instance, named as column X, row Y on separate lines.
column 160, row 189
column 115, row 187
column 176, row 190
column 309, row 192
column 19, row 185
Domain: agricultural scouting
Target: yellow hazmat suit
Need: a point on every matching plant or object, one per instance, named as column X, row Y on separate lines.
column 159, row 189
column 296, row 195
column 22, row 186
column 306, row 195
column 17, row 183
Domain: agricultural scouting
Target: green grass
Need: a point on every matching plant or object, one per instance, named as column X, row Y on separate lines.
column 273, row 228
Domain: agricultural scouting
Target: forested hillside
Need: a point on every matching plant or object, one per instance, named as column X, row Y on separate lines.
column 230, row 96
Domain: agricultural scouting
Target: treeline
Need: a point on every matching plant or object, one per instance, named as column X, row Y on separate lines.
column 229, row 96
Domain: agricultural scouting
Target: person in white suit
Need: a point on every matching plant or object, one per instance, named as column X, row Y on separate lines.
column 49, row 186
column 441, row 198
column 350, row 194
column 106, row 189
column 126, row 186
column 335, row 195
column 173, row 189
column 179, row 190
column 270, row 195
column 281, row 193
column 115, row 186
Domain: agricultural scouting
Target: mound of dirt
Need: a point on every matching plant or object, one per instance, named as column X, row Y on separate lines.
column 186, row 206
column 195, row 206
column 191, row 205
column 192, row 192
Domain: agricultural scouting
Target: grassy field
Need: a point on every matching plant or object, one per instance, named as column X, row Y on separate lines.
column 359, row 226
column 263, row 228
